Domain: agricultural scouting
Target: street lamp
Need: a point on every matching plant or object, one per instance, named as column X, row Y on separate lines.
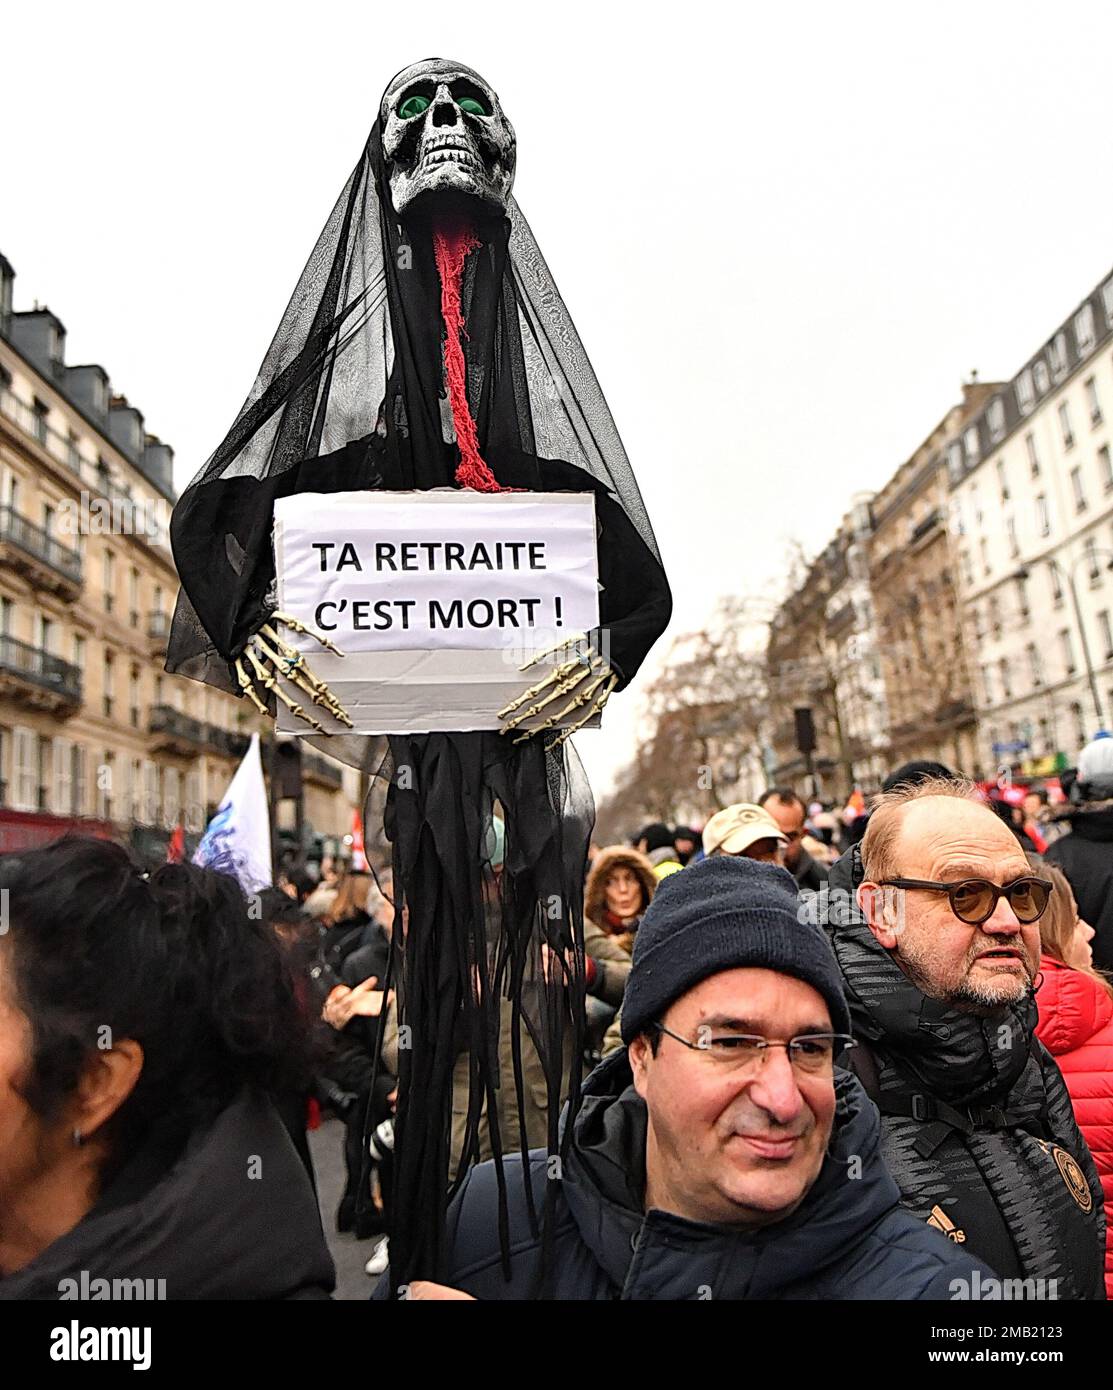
column 1067, row 572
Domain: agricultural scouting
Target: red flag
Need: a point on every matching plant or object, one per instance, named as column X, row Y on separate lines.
column 175, row 850
column 359, row 858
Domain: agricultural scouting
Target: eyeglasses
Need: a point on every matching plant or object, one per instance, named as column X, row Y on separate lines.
column 812, row 1054
column 974, row 900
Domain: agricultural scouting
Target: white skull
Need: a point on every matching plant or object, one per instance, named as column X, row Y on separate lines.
column 444, row 131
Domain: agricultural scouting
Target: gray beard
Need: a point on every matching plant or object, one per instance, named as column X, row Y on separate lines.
column 966, row 999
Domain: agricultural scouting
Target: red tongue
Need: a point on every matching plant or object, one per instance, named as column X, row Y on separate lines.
column 452, row 243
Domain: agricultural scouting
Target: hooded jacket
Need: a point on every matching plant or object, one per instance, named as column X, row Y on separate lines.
column 847, row 1239
column 977, row 1125
column 1076, row 1027
column 1086, row 857
column 232, row 1217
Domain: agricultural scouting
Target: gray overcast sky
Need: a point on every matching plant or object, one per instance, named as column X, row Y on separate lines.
column 785, row 232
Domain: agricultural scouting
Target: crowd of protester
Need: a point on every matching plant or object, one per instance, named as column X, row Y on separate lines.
column 908, row 992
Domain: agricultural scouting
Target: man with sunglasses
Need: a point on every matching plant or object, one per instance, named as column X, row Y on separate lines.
column 725, row 1153
column 940, row 953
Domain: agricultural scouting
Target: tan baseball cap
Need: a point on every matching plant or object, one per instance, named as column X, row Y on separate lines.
column 734, row 829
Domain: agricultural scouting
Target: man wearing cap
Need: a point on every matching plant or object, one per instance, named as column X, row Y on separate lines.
column 788, row 811
column 724, row 1154
column 745, row 829
column 934, row 920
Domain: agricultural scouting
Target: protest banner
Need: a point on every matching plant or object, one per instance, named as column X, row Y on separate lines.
column 436, row 598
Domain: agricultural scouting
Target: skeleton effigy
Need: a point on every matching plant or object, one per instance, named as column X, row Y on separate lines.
column 427, row 347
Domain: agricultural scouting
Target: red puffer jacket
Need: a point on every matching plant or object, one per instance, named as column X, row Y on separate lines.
column 1076, row 1027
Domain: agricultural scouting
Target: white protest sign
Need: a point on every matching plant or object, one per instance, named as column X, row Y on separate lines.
column 436, row 598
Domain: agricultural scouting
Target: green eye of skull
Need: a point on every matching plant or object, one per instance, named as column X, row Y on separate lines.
column 416, row 105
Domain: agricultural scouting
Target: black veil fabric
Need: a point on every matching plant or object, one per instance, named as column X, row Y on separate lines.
column 351, row 396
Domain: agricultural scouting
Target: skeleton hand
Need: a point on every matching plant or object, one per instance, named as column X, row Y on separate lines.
column 584, row 675
column 269, row 656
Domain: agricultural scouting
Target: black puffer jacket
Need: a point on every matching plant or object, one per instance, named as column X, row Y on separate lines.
column 847, row 1240
column 978, row 1128
column 233, row 1216
column 1086, row 857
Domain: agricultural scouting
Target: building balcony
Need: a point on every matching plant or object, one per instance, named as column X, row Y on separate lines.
column 158, row 632
column 38, row 679
column 225, row 742
column 46, row 562
column 172, row 731
column 927, row 527
column 318, row 770
column 34, row 425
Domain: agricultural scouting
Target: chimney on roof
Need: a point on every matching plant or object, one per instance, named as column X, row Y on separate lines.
column 41, row 337
column 158, row 463
column 88, row 387
column 7, row 281
column 125, row 427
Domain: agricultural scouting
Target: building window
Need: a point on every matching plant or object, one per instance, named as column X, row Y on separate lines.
column 1006, row 683
column 25, row 752
column 62, row 804
column 1057, row 355
column 108, row 579
column 1079, row 725
column 1093, row 401
column 1105, row 467
column 106, row 790
column 1003, row 480
column 979, row 624
column 1022, row 598
column 79, row 651
column 1056, row 584
column 1106, row 633
column 1107, row 300
column 1091, row 552
column 995, row 419
column 995, row 616
column 954, row 462
column 109, row 684
column 967, row 567
column 171, row 796
column 1066, row 649
column 1077, row 489
column 1043, row 516
column 1084, row 329
column 80, row 780
column 987, row 684
column 986, row 567
column 133, row 597
column 40, row 410
column 1014, row 544
column 1034, row 664
column 1041, row 376
column 1064, row 425
column 970, row 438
column 151, row 799
column 73, row 458
column 133, row 697
column 44, row 773
column 1025, row 396
column 1033, row 456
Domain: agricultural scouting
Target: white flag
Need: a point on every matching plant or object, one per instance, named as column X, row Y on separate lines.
column 237, row 840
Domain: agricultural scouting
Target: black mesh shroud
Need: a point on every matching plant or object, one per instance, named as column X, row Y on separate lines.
column 350, row 396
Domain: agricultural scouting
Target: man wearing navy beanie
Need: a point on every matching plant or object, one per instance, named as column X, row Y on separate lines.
column 723, row 1153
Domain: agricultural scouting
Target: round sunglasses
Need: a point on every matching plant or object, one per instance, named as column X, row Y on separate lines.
column 974, row 900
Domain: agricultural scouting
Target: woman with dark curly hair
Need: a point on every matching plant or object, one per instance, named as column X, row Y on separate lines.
column 145, row 1022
